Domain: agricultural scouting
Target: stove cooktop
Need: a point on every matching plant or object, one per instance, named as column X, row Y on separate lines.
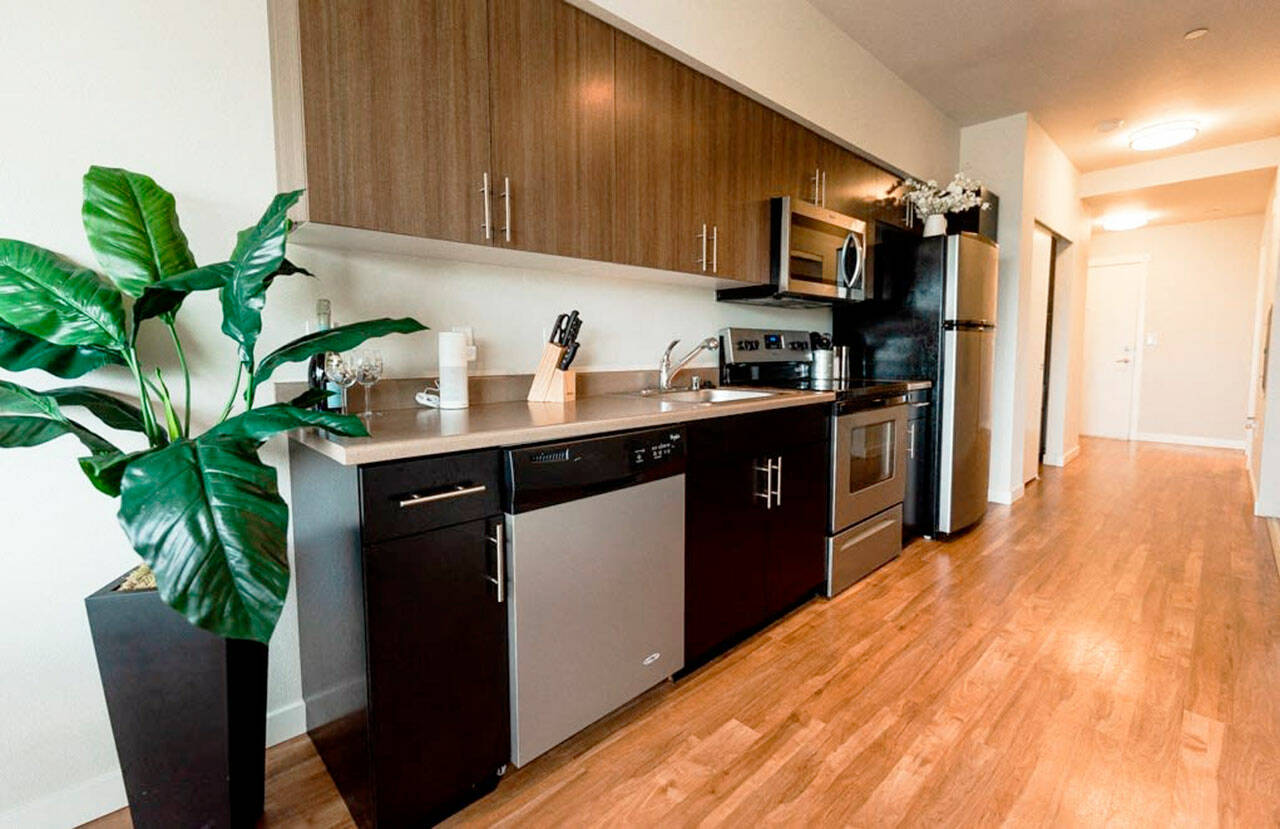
column 850, row 388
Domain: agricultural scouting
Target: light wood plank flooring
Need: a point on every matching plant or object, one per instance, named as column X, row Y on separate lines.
column 1106, row 650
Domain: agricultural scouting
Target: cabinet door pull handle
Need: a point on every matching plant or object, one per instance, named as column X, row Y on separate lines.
column 488, row 215
column 777, row 493
column 767, row 495
column 911, row 441
column 499, row 542
column 458, row 491
column 824, row 188
column 506, row 203
column 816, row 174
column 715, row 248
column 702, row 260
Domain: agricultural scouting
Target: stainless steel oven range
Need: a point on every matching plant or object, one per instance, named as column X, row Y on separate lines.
column 869, row 435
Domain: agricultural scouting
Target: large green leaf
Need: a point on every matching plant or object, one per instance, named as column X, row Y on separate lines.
column 48, row 297
column 20, row 351
column 342, row 338
column 106, row 470
column 263, row 422
column 165, row 296
column 258, row 255
column 111, row 410
column 133, row 228
column 29, row 418
column 206, row 516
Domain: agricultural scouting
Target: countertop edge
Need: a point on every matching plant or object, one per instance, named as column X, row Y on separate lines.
column 355, row 455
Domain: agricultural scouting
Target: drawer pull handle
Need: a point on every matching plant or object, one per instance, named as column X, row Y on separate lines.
column 457, row 492
column 880, row 526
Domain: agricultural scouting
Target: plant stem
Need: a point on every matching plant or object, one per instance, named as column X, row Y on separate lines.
column 226, row 410
column 144, row 400
column 186, row 377
column 249, row 392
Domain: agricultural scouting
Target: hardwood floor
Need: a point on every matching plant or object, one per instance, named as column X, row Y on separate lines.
column 1106, row 650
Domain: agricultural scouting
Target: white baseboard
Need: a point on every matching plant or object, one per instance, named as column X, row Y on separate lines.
column 1006, row 496
column 1063, row 459
column 82, row 802
column 1190, row 440
column 71, row 806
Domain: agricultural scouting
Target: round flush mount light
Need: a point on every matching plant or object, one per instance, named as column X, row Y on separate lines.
column 1196, row 34
column 1160, row 136
column 1110, row 124
column 1125, row 220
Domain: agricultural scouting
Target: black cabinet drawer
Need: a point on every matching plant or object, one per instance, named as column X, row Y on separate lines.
column 407, row 497
column 761, row 432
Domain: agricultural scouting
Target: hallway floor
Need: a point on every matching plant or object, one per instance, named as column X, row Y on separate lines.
column 1106, row 650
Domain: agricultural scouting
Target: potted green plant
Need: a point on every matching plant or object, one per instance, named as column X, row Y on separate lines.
column 186, row 691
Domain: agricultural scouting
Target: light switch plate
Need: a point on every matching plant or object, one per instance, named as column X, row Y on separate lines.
column 1152, row 340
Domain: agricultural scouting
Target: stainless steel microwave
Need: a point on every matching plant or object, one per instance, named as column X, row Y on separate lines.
column 817, row 257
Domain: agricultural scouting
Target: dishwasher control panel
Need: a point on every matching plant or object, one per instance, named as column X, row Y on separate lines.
column 655, row 447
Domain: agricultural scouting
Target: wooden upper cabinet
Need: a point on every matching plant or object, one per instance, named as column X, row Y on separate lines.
column 736, row 130
column 658, row 167
column 796, row 160
column 552, row 116
column 395, row 113
column 856, row 187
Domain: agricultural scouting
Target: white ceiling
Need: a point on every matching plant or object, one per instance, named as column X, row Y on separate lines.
column 1197, row 200
column 1073, row 63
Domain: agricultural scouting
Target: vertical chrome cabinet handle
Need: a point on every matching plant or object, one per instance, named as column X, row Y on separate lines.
column 824, row 188
column 715, row 248
column 488, row 218
column 767, row 495
column 911, row 441
column 499, row 542
column 816, row 174
column 702, row 260
column 777, row 493
column 506, row 202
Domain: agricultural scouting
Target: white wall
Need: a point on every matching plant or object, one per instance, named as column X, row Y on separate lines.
column 1036, row 183
column 183, row 93
column 791, row 54
column 1200, row 302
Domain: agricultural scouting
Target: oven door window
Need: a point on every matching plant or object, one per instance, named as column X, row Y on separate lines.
column 871, row 454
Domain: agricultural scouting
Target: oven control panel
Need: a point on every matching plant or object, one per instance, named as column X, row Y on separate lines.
column 761, row 345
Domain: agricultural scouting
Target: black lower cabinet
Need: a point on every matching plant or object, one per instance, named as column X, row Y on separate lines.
column 755, row 521
column 188, row 712
column 403, row 631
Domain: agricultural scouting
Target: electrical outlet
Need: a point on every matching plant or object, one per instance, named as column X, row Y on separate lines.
column 1152, row 339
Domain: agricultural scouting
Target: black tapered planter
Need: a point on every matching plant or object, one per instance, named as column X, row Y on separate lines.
column 188, row 712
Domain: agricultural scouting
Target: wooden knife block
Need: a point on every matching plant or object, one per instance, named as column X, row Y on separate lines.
column 550, row 384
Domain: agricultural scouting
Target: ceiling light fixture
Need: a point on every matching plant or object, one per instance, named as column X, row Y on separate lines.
column 1126, row 220
column 1196, row 34
column 1160, row 136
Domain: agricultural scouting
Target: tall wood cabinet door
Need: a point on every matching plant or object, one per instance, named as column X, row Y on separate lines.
column 735, row 135
column 396, row 114
column 856, row 187
column 656, row 160
column 797, row 159
column 795, row 562
column 552, row 105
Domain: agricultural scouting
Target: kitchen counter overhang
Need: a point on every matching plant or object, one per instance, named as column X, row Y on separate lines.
column 411, row 433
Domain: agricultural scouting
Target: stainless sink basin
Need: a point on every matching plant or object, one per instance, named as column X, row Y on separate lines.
column 707, row 395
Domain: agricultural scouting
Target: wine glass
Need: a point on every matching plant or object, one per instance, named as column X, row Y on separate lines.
column 341, row 371
column 368, row 364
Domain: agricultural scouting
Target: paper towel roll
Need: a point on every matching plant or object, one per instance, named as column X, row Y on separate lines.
column 452, row 354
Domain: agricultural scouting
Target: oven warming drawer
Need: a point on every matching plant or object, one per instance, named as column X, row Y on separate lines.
column 856, row 552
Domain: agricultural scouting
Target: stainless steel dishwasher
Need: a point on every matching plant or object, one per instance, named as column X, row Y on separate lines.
column 595, row 565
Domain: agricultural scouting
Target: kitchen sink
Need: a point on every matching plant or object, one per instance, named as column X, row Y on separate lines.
column 707, row 395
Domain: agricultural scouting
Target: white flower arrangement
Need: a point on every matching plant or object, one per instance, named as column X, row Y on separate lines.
column 927, row 199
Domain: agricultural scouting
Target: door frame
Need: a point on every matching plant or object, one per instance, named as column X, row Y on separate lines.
column 1135, row 382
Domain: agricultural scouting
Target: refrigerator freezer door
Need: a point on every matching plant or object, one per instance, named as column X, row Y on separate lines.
column 970, row 292
column 968, row 363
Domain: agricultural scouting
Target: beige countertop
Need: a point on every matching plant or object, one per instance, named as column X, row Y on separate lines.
column 410, row 433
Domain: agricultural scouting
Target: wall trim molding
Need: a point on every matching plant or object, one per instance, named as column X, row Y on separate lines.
column 1063, row 459
column 1006, row 496
column 1190, row 440
column 104, row 794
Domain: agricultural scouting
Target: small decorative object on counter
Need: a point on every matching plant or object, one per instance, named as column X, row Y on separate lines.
column 554, row 381
column 927, row 199
column 187, row 702
column 316, row 379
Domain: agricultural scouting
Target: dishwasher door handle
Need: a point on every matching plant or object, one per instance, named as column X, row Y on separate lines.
column 499, row 542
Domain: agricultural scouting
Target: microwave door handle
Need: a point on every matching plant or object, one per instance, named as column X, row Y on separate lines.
column 862, row 257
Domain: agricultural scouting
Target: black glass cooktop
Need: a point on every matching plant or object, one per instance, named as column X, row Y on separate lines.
column 847, row 388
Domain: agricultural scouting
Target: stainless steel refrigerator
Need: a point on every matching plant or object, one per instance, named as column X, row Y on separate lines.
column 931, row 315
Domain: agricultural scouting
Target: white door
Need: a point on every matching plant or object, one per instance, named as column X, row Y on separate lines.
column 1112, row 319
column 1038, row 309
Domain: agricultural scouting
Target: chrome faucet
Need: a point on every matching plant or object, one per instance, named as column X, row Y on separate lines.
column 666, row 371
